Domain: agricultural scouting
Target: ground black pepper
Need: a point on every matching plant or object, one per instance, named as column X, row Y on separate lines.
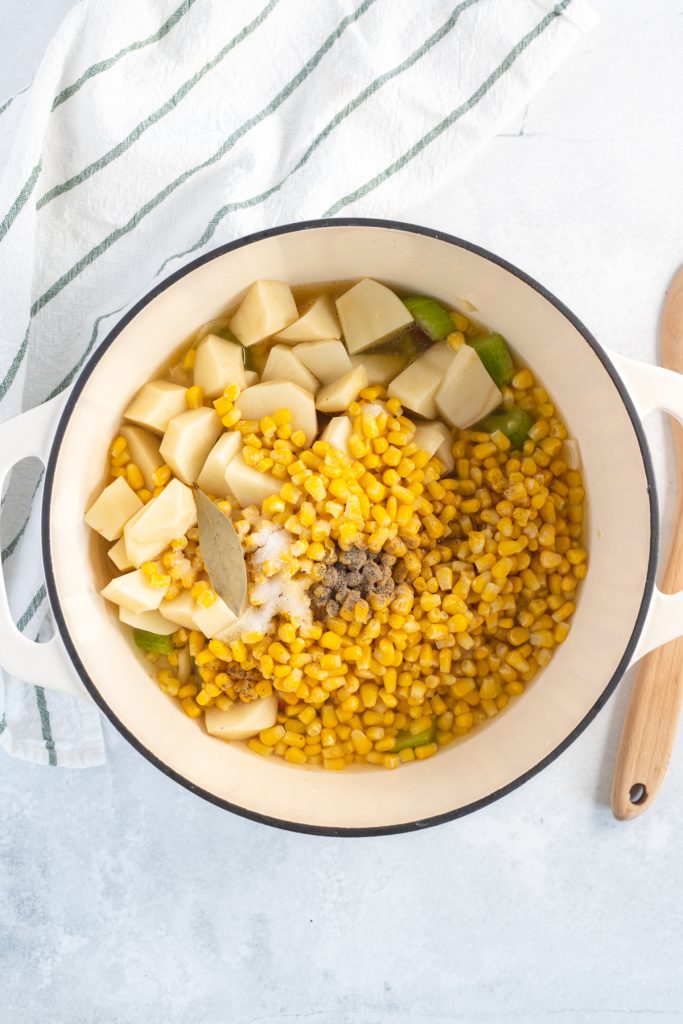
column 243, row 680
column 351, row 576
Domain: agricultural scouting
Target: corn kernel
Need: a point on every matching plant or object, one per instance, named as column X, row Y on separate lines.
column 294, row 756
column 189, row 358
column 190, row 707
column 347, row 534
column 206, row 598
column 286, row 632
column 273, row 504
column 259, row 748
column 368, row 694
column 315, row 486
column 195, row 397
column 231, row 418
column 161, row 476
column 118, row 447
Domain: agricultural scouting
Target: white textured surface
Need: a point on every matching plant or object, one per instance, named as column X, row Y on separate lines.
column 25, row 31
column 126, row 899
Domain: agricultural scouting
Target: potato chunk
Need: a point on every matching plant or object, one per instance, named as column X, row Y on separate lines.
column 436, row 439
column 370, row 312
column 218, row 363
column 467, row 393
column 267, row 308
column 381, row 367
column 241, row 720
column 319, row 321
column 119, row 556
column 184, row 611
column 327, row 359
column 132, row 591
column 144, row 451
column 180, row 610
column 155, row 403
column 417, row 386
column 266, row 398
column 214, row 619
column 212, row 477
column 283, row 364
column 161, row 520
column 248, row 485
column 152, row 622
column 337, row 396
column 111, row 511
column 337, row 433
column 188, row 440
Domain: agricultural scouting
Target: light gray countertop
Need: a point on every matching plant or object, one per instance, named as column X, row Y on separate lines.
column 123, row 898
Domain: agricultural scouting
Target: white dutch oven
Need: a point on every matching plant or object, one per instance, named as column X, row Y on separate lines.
column 620, row 615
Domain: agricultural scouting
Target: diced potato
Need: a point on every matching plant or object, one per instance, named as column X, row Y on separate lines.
column 381, row 367
column 180, row 611
column 251, row 377
column 319, row 321
column 218, row 363
column 370, row 312
column 417, row 386
column 111, row 511
column 337, row 396
column 266, row 398
column 132, row 591
column 144, row 451
column 327, row 359
column 242, row 720
column 161, row 520
column 212, row 477
column 267, row 308
column 155, row 403
column 152, row 622
column 188, row 440
column 337, row 433
column 436, row 439
column 467, row 393
column 133, row 519
column 248, row 485
column 184, row 611
column 283, row 364
column 119, row 556
column 214, row 619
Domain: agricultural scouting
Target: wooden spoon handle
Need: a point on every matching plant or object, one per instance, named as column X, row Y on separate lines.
column 649, row 731
column 651, row 723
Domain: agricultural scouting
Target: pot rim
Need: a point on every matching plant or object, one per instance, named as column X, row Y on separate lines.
column 245, row 812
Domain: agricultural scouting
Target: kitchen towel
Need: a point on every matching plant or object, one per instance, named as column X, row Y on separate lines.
column 155, row 130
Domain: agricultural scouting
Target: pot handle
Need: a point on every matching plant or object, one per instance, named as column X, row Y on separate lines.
column 45, row 664
column 653, row 388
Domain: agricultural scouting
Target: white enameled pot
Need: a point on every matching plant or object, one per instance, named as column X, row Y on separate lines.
column 620, row 614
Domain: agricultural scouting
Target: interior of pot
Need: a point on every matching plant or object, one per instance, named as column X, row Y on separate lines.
column 532, row 727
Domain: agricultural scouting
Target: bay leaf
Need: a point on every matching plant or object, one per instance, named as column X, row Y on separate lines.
column 222, row 552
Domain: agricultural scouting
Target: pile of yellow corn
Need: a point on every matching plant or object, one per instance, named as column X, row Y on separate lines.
column 491, row 560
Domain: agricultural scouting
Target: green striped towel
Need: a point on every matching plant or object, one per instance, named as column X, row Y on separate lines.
column 155, row 130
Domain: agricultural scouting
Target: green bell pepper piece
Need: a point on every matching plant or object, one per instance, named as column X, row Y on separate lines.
column 514, row 422
column 430, row 316
column 495, row 355
column 152, row 642
column 407, row 739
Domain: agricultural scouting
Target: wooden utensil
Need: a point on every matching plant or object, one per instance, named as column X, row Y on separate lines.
column 651, row 722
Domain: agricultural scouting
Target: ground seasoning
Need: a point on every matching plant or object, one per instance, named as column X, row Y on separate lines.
column 351, row 576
